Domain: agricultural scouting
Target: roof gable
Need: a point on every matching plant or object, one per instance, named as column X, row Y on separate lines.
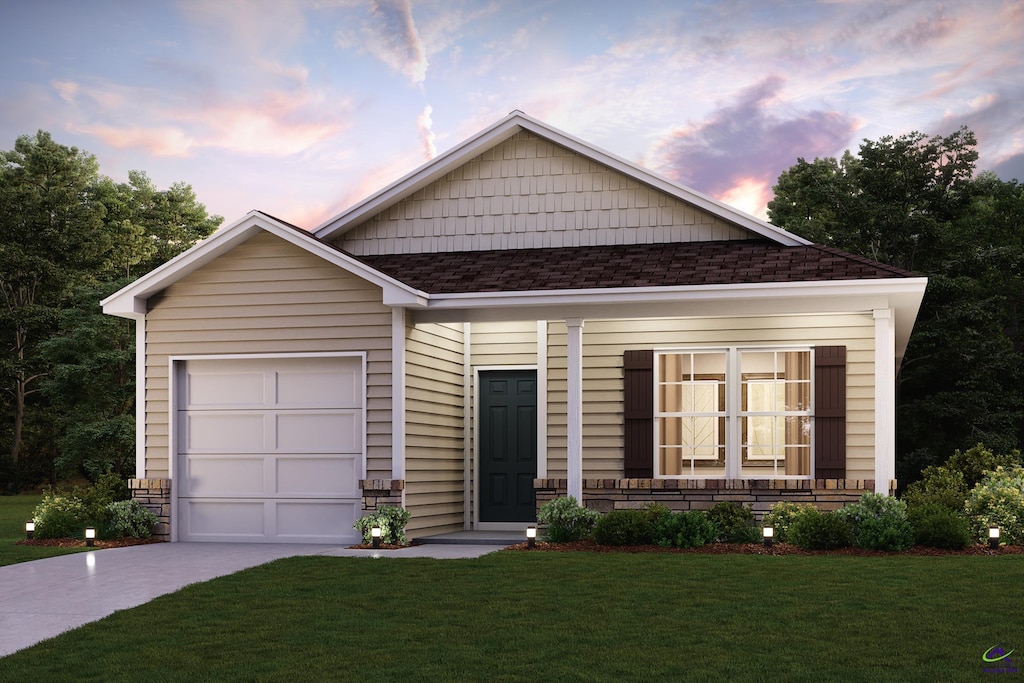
column 530, row 158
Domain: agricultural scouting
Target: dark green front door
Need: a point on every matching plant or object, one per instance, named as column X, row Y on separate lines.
column 508, row 445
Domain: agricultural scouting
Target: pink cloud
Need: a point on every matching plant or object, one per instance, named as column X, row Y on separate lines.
column 162, row 142
column 746, row 145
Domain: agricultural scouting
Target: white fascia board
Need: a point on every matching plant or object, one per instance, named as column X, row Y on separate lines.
column 131, row 301
column 506, row 128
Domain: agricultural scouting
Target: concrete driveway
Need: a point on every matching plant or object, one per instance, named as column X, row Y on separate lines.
column 43, row 598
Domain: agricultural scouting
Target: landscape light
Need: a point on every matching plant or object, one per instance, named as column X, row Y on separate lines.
column 993, row 537
column 768, row 534
column 30, row 529
column 90, row 536
column 375, row 535
column 531, row 537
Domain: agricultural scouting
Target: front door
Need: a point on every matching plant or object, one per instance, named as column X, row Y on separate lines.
column 508, row 445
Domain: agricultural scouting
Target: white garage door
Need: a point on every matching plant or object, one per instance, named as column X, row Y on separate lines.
column 269, row 450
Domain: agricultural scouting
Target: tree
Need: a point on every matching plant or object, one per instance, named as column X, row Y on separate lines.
column 50, row 236
column 914, row 202
column 69, row 236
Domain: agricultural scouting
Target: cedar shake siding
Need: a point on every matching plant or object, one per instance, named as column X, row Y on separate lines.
column 268, row 296
column 528, row 192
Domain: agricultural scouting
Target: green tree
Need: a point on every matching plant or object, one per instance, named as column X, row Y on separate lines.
column 914, row 202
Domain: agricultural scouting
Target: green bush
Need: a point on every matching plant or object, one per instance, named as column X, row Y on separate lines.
column 938, row 486
column 816, row 530
column 566, row 520
column 781, row 516
column 391, row 519
column 60, row 515
column 975, row 462
column 879, row 522
column 128, row 519
column 624, row 527
column 684, row 530
column 936, row 526
column 734, row 522
column 998, row 500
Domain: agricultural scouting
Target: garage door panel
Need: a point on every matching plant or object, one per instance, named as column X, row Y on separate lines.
column 224, row 476
column 316, row 521
column 224, row 390
column 224, row 432
column 318, row 432
column 318, row 476
column 216, row 519
column 335, row 389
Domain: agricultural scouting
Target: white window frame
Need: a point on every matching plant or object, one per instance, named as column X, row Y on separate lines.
column 734, row 416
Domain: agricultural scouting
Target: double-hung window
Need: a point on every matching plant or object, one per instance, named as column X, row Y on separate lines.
column 733, row 413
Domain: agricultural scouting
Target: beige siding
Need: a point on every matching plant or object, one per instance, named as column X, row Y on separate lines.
column 268, row 296
column 434, row 456
column 528, row 192
column 604, row 343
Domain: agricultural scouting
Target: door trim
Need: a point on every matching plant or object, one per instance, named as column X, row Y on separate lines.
column 541, row 418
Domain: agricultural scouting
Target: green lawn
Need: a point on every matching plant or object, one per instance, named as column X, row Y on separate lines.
column 560, row 616
column 14, row 512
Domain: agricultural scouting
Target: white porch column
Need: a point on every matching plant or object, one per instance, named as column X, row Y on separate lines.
column 140, row 397
column 398, row 394
column 885, row 399
column 574, row 408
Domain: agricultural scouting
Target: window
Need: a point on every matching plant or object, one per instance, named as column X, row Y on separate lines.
column 733, row 413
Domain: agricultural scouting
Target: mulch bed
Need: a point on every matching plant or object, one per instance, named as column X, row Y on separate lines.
column 758, row 549
column 78, row 543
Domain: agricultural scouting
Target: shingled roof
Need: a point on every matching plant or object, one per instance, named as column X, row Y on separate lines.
column 635, row 265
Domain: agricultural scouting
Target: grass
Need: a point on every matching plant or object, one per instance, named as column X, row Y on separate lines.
column 14, row 512
column 560, row 616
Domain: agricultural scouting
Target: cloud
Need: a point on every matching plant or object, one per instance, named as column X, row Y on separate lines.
column 739, row 150
column 424, row 125
column 392, row 38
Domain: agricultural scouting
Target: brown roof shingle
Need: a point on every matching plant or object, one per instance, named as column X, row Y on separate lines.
column 635, row 265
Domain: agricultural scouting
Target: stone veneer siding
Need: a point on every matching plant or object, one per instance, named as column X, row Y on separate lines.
column 377, row 492
column 155, row 495
column 605, row 495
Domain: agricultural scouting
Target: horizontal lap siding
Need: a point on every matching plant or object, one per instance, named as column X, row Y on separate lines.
column 268, row 296
column 527, row 193
column 434, row 457
column 604, row 343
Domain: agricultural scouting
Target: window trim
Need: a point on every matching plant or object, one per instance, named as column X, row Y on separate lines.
column 734, row 415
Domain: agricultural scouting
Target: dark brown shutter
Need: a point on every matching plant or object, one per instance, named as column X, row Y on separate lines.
column 830, row 412
column 638, row 374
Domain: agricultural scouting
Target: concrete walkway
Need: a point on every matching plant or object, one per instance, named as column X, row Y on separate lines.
column 43, row 598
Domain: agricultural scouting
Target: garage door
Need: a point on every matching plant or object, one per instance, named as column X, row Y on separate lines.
column 269, row 450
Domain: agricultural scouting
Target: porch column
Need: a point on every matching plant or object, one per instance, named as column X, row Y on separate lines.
column 397, row 394
column 885, row 399
column 574, row 408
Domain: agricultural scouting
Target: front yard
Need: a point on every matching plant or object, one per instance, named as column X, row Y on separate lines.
column 14, row 512
column 561, row 616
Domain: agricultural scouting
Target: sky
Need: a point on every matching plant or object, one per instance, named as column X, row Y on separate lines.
column 300, row 108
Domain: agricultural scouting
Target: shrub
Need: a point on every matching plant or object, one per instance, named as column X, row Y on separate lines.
column 566, row 520
column 735, row 523
column 975, row 462
column 391, row 519
column 624, row 527
column 781, row 516
column 684, row 530
column 129, row 519
column 998, row 500
column 60, row 515
column 816, row 530
column 936, row 526
column 879, row 522
column 109, row 488
column 938, row 486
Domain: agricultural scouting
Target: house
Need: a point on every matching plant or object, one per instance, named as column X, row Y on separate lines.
column 524, row 317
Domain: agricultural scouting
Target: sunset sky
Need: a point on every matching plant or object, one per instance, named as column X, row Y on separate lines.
column 302, row 107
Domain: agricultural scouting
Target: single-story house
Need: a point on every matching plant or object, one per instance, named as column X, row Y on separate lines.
column 525, row 316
